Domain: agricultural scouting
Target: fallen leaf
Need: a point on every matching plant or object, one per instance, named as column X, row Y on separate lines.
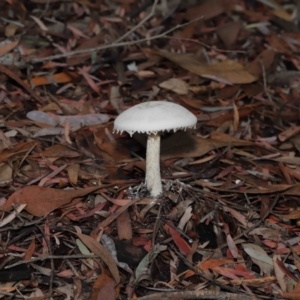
column 232, row 246
column 259, row 257
column 184, row 144
column 208, row 9
column 58, row 151
column 73, row 171
column 212, row 263
column 124, row 226
column 12, row 215
column 227, row 70
column 112, row 217
column 142, row 269
column 7, row 47
column 28, row 89
column 103, row 253
column 57, row 78
column 176, row 85
column 261, row 63
column 287, row 134
column 229, row 33
column 182, row 245
column 90, row 43
column 43, row 200
column 279, row 273
column 30, row 250
column 104, row 288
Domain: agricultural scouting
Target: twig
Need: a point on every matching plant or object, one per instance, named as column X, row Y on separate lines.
column 139, row 24
column 113, row 45
column 32, row 260
column 13, row 76
column 51, row 262
column 11, row 295
column 157, row 223
column 73, row 269
column 259, row 222
column 225, row 287
column 205, row 45
column 264, row 79
column 197, row 295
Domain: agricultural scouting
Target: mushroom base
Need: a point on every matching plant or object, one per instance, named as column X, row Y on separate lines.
column 153, row 179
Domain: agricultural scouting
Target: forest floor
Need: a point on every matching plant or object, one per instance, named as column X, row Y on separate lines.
column 77, row 221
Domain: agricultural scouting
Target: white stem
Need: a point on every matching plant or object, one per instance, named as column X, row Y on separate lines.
column 153, row 179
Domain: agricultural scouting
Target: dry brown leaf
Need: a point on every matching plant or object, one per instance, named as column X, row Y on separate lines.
column 26, row 87
column 279, row 273
column 112, row 217
column 58, row 151
column 285, row 189
column 87, row 44
column 102, row 280
column 293, row 215
column 291, row 295
column 107, row 291
column 236, row 118
column 6, row 173
column 222, row 118
column 288, row 160
column 209, row 9
column 176, row 85
column 30, row 250
column 195, row 103
column 8, row 47
column 124, row 226
column 290, row 132
column 227, row 71
column 229, row 33
column 184, row 144
column 278, row 43
column 261, row 63
column 73, row 171
column 282, row 14
column 103, row 253
column 19, row 148
column 43, row 200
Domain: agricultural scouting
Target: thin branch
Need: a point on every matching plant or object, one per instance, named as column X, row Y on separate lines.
column 205, row 45
column 113, row 45
column 35, row 259
column 51, row 278
column 195, row 294
column 151, row 14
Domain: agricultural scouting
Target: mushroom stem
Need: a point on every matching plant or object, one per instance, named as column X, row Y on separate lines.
column 153, row 179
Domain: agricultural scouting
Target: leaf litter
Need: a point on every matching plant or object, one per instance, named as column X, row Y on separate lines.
column 76, row 219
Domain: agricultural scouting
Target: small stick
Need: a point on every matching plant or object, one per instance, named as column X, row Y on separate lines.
column 63, row 257
column 113, row 45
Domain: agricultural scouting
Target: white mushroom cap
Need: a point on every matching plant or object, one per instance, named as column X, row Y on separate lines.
column 153, row 116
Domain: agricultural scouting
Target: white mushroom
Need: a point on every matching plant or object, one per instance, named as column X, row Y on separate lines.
column 152, row 118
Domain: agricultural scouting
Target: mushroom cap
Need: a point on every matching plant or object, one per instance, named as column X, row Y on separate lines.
column 153, row 116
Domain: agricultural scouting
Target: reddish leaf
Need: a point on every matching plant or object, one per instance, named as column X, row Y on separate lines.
column 183, row 246
column 230, row 273
column 43, row 200
column 30, row 250
column 103, row 253
column 232, row 247
column 104, row 288
column 212, row 263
